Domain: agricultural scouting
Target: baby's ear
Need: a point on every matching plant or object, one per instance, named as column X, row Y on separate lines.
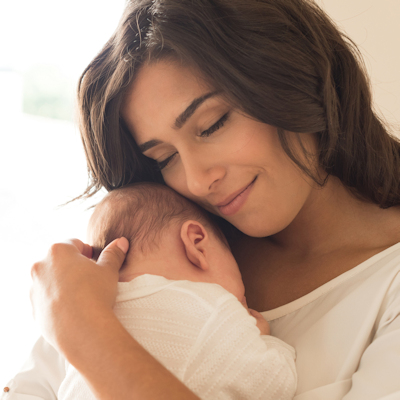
column 195, row 239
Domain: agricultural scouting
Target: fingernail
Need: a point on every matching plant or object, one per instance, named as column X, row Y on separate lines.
column 123, row 244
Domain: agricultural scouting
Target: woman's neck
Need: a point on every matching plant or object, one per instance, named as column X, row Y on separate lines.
column 333, row 233
column 334, row 218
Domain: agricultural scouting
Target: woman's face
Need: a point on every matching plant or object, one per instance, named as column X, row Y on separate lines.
column 211, row 153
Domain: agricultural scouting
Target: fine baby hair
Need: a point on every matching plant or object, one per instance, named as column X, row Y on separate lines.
column 142, row 213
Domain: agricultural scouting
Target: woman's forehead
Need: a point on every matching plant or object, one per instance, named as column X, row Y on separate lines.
column 160, row 93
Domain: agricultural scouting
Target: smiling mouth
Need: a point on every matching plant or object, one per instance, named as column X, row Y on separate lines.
column 233, row 205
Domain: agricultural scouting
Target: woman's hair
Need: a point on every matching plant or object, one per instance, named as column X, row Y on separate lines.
column 143, row 213
column 282, row 62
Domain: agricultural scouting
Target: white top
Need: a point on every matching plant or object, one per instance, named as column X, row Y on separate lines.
column 204, row 336
column 346, row 334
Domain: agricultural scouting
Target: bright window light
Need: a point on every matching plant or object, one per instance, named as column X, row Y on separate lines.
column 44, row 46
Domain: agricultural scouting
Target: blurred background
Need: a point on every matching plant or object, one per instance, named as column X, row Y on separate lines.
column 44, row 46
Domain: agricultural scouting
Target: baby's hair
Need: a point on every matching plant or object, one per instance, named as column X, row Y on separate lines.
column 142, row 212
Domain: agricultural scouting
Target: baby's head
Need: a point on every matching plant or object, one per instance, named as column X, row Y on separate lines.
column 168, row 235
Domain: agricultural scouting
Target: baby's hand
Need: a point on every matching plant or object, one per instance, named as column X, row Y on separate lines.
column 262, row 324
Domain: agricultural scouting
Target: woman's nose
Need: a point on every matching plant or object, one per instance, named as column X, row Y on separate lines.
column 203, row 174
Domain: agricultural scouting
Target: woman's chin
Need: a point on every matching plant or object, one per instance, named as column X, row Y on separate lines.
column 257, row 227
column 253, row 231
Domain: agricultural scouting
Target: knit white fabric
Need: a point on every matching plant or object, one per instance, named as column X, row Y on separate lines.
column 346, row 334
column 204, row 336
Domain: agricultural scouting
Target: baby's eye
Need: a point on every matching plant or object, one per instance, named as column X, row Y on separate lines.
column 219, row 124
column 162, row 164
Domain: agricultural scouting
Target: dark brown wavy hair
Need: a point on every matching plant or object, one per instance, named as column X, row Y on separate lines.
column 283, row 62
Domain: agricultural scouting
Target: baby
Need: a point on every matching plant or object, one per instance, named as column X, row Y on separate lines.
column 180, row 296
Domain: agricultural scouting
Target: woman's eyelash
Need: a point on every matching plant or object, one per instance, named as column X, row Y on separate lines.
column 162, row 164
column 219, row 124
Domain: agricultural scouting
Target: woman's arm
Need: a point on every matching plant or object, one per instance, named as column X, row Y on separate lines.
column 115, row 365
column 40, row 377
column 72, row 298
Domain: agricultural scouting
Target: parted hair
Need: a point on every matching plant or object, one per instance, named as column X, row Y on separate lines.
column 282, row 62
column 143, row 213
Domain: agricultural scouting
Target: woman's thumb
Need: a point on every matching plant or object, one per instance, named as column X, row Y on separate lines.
column 114, row 254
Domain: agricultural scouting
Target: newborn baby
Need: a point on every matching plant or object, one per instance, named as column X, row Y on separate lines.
column 181, row 297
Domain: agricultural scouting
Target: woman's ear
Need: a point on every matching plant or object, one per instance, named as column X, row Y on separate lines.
column 195, row 239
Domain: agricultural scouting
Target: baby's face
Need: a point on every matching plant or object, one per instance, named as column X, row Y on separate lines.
column 225, row 271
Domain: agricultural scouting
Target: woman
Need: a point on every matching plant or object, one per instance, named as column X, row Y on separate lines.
column 260, row 112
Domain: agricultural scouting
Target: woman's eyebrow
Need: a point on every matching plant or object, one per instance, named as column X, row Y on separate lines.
column 149, row 144
column 180, row 121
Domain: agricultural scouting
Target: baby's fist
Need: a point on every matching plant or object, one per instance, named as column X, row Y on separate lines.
column 262, row 324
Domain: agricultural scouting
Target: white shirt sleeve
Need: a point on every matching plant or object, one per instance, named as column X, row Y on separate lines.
column 40, row 376
column 378, row 373
column 231, row 360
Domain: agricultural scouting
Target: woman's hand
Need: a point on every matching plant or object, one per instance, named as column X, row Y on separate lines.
column 72, row 299
column 67, row 284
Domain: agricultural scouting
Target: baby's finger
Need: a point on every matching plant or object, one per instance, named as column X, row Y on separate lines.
column 244, row 303
column 262, row 324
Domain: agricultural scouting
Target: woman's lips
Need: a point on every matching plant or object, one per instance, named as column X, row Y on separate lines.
column 237, row 202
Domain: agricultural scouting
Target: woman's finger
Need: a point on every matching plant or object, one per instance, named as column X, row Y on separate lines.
column 83, row 248
column 114, row 254
column 67, row 282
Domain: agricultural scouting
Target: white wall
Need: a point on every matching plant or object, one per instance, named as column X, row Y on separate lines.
column 374, row 26
column 10, row 83
column 41, row 160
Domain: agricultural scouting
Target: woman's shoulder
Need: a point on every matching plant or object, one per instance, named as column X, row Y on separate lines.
column 374, row 283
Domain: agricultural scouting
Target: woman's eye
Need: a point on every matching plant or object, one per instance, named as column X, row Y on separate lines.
column 162, row 164
column 219, row 124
